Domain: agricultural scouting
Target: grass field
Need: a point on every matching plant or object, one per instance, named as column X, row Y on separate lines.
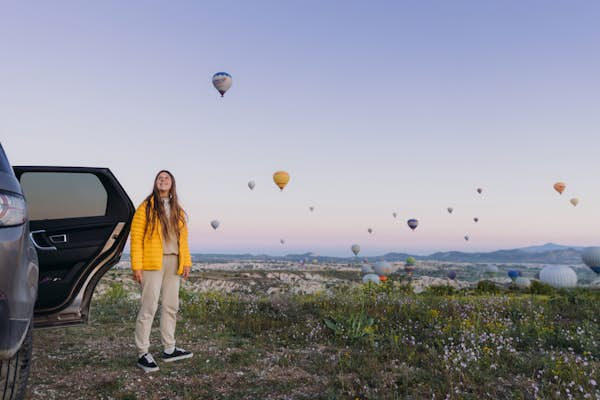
column 359, row 342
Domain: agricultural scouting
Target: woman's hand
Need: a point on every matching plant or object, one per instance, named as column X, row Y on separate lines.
column 186, row 272
column 137, row 275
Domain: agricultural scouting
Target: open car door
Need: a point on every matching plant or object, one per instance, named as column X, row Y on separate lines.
column 79, row 220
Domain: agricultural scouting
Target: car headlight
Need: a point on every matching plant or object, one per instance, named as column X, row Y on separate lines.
column 13, row 210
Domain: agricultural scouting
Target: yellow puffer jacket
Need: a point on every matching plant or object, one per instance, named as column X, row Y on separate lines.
column 147, row 252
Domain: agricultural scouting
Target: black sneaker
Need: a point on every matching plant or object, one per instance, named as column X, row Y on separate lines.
column 147, row 363
column 177, row 354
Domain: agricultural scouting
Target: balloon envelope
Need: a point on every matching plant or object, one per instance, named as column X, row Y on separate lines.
column 559, row 276
column 281, row 178
column 371, row 278
column 214, row 223
column 452, row 274
column 514, row 274
column 491, row 269
column 222, row 82
column 251, row 185
column 476, row 219
column 450, row 209
column 560, row 187
column 394, row 215
column 311, row 208
column 412, row 223
column 370, row 230
column 383, row 268
column 479, row 190
column 523, row 282
column 282, row 241
column 591, row 257
column 467, row 238
column 355, row 249
column 574, row 201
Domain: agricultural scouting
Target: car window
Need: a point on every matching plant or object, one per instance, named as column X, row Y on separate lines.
column 4, row 165
column 57, row 195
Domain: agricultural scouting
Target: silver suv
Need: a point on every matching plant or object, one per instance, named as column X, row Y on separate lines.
column 61, row 230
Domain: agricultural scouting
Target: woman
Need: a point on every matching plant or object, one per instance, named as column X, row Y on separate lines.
column 160, row 255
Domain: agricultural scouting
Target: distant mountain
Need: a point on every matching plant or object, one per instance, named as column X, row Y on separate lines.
column 548, row 247
column 563, row 256
column 549, row 253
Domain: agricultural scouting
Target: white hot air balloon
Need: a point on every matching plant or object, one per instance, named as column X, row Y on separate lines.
column 355, row 249
column 491, row 270
column 222, row 82
column 574, row 201
column 374, row 278
column 215, row 223
column 383, row 268
column 559, row 276
column 251, row 185
column 523, row 282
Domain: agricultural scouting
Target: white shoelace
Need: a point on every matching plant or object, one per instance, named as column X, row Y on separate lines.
column 149, row 358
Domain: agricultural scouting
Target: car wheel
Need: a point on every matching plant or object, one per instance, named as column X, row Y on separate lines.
column 15, row 371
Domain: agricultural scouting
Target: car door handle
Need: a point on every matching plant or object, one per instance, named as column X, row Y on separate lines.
column 58, row 238
column 37, row 246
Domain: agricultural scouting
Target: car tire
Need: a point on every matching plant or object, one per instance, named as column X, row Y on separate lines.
column 15, row 371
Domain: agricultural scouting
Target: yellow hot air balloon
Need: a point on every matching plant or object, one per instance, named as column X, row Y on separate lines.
column 281, row 178
column 574, row 201
column 560, row 187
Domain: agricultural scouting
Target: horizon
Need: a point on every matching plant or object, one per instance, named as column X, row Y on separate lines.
column 372, row 109
column 361, row 255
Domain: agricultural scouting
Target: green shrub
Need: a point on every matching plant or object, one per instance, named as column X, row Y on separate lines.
column 487, row 287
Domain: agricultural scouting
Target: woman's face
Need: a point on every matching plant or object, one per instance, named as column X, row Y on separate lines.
column 164, row 182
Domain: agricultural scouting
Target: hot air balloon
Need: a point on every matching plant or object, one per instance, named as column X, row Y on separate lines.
column 558, row 276
column 513, row 274
column 311, row 208
column 574, row 201
column 450, row 209
column 383, row 278
column 222, row 82
column 394, row 214
column 476, row 219
column 383, row 268
column 467, row 238
column 282, row 241
column 413, row 223
column 523, row 282
column 370, row 230
column 281, row 178
column 251, row 185
column 491, row 270
column 479, row 190
column 591, row 258
column 374, row 278
column 452, row 275
column 560, row 187
column 355, row 249
column 214, row 223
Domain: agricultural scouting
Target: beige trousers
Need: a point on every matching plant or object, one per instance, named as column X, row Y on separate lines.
column 154, row 283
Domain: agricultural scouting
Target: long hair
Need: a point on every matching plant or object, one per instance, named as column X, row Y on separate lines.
column 155, row 210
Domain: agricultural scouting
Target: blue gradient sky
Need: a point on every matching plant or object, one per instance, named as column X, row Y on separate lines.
column 372, row 107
